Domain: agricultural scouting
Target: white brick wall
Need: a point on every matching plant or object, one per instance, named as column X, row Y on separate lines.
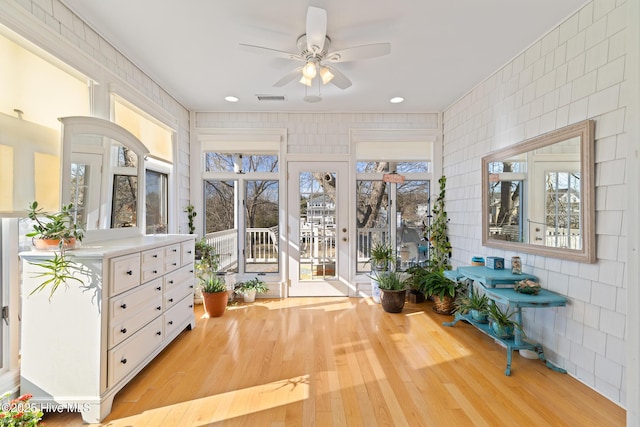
column 574, row 72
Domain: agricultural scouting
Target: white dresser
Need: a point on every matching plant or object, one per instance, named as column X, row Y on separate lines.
column 86, row 343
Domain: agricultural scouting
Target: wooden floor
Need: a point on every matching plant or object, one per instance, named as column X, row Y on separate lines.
column 345, row 362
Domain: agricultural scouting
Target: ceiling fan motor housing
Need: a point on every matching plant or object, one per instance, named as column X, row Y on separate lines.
column 309, row 54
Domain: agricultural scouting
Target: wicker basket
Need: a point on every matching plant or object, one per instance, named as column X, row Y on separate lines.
column 443, row 305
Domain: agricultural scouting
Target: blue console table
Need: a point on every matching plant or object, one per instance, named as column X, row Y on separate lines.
column 506, row 295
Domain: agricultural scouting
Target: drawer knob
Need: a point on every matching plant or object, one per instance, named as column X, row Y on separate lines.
column 123, row 306
column 130, row 272
column 175, row 263
column 191, row 286
column 158, row 308
column 171, row 322
column 171, row 281
column 189, row 252
column 159, row 288
column 155, row 255
column 190, row 305
column 158, row 333
column 170, row 299
column 123, row 361
column 123, row 330
column 155, row 271
column 174, row 250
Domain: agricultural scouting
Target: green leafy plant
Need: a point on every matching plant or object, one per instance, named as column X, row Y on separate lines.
column 191, row 214
column 390, row 280
column 473, row 301
column 504, row 318
column 436, row 233
column 55, row 226
column 253, row 284
column 436, row 284
column 213, row 284
column 62, row 227
column 381, row 256
column 19, row 412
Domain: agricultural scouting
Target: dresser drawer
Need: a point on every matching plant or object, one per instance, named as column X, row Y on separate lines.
column 172, row 257
column 129, row 354
column 125, row 328
column 181, row 277
column 188, row 251
column 152, row 256
column 177, row 316
column 129, row 303
column 174, row 295
column 124, row 273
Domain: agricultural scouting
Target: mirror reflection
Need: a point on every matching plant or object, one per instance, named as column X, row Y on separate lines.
column 539, row 195
column 102, row 173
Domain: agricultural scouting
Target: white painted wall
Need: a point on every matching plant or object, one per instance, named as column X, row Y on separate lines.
column 574, row 72
column 52, row 26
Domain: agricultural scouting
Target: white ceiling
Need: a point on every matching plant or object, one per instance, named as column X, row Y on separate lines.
column 440, row 49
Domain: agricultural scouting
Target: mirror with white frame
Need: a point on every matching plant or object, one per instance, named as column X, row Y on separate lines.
column 538, row 196
column 103, row 176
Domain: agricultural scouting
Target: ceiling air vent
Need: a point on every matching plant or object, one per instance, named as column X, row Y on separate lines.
column 271, row 97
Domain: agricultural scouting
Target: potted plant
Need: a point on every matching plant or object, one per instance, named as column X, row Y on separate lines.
column 393, row 289
column 250, row 288
column 58, row 232
column 414, row 282
column 443, row 291
column 212, row 286
column 214, row 295
column 476, row 304
column 501, row 321
column 54, row 230
column 381, row 260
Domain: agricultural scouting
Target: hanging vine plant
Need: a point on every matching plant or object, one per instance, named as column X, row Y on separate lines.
column 436, row 233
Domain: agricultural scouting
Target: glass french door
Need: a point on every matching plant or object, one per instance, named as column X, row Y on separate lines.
column 318, row 233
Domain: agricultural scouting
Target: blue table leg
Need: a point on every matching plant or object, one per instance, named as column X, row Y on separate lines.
column 507, row 372
column 538, row 349
column 518, row 330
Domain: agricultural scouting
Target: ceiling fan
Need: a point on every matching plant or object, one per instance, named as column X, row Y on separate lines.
column 314, row 50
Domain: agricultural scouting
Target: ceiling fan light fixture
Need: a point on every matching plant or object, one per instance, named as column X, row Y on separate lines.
column 309, row 70
column 326, row 75
column 306, row 81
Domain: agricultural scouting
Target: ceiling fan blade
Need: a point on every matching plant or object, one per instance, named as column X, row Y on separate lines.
column 291, row 75
column 339, row 79
column 316, row 29
column 359, row 52
column 271, row 52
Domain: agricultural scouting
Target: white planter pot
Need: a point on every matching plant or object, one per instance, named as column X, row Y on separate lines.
column 250, row 295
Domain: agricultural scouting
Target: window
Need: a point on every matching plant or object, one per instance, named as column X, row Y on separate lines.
column 241, row 203
column 392, row 212
column 156, row 202
column 562, row 210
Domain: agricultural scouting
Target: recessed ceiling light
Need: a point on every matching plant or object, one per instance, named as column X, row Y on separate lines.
column 396, row 100
column 231, row 98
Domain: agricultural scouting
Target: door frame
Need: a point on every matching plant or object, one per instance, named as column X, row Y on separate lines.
column 342, row 285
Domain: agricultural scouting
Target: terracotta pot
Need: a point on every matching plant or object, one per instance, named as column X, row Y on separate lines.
column 393, row 301
column 53, row 244
column 215, row 303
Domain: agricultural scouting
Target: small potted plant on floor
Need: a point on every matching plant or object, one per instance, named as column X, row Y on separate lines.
column 212, row 286
column 501, row 321
column 476, row 304
column 443, row 291
column 250, row 288
column 214, row 295
column 394, row 291
column 381, row 260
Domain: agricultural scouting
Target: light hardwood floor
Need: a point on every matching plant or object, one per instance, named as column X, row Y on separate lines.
column 345, row 362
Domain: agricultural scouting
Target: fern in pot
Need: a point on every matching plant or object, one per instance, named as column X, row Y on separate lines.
column 476, row 304
column 250, row 288
column 381, row 260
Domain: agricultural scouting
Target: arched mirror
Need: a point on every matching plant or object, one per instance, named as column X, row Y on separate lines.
column 538, row 196
column 103, row 176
